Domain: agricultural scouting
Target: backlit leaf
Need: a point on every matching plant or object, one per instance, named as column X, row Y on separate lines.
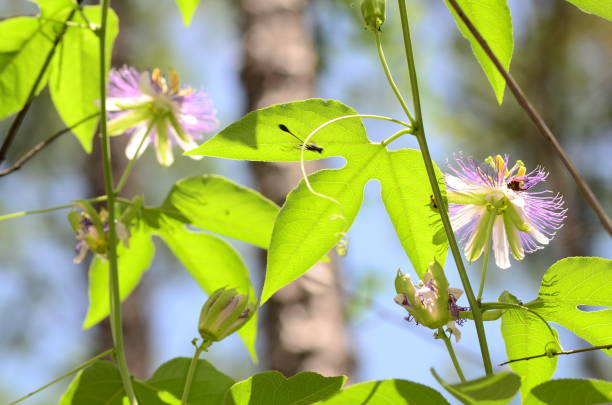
column 386, row 392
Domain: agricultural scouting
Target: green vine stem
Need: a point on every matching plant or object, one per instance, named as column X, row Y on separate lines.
column 130, row 165
column 420, row 133
column 80, row 367
column 586, row 349
column 451, row 352
column 538, row 121
column 485, row 264
column 45, row 210
column 192, row 368
column 115, row 301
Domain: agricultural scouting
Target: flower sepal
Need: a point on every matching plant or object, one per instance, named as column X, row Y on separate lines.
column 224, row 312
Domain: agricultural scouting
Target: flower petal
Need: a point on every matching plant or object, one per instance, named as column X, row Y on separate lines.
column 140, row 136
column 475, row 245
column 162, row 144
column 500, row 243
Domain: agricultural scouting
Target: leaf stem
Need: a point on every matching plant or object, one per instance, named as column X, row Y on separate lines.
column 420, row 132
column 396, row 135
column 485, row 263
column 383, row 62
column 506, row 305
column 192, row 369
column 45, row 210
column 130, row 165
column 81, row 366
column 539, row 122
column 115, row 301
column 16, row 124
column 451, row 352
column 41, row 145
column 586, row 349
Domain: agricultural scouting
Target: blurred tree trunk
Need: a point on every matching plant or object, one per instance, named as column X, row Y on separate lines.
column 304, row 323
column 134, row 317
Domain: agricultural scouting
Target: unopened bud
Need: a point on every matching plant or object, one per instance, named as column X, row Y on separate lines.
column 224, row 312
column 373, row 12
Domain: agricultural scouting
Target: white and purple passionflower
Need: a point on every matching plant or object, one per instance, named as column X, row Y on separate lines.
column 494, row 201
column 152, row 109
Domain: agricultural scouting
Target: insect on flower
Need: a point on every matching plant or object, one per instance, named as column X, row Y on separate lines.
column 311, row 146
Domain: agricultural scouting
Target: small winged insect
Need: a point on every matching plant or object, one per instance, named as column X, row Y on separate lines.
column 432, row 202
column 311, row 146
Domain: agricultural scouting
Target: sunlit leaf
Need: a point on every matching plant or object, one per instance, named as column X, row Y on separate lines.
column 219, row 205
column 208, row 385
column 571, row 391
column 498, row 389
column 272, row 388
column 493, row 20
column 526, row 335
column 133, row 261
column 187, row 8
column 574, row 282
column 602, row 8
column 386, row 392
column 74, row 79
column 213, row 264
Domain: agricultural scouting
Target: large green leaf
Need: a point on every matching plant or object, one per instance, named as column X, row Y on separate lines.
column 100, row 384
column 310, row 224
column 574, row 282
column 570, row 391
column 526, row 335
column 602, row 8
column 219, row 205
column 208, row 385
column 272, row 388
column 133, row 261
column 387, row 392
column 213, row 263
column 74, row 79
column 407, row 197
column 493, row 20
column 26, row 42
column 498, row 389
column 258, row 137
column 187, row 8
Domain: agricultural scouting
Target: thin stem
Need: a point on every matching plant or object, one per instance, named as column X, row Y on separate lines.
column 43, row 144
column 586, row 349
column 16, row 124
column 451, row 353
column 506, row 305
column 485, row 263
column 80, row 367
column 383, row 62
column 130, row 165
column 396, row 135
column 45, row 210
column 539, row 122
column 420, row 132
column 192, row 369
column 115, row 301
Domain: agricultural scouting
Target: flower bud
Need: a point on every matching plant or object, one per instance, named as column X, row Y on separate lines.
column 224, row 312
column 373, row 12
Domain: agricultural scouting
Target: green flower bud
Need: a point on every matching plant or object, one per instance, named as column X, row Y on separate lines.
column 373, row 12
column 224, row 312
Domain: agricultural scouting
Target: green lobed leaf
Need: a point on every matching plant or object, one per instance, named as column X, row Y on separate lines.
column 133, row 261
column 74, row 79
column 602, row 8
column 219, row 205
column 213, row 264
column 187, row 8
column 498, row 389
column 386, row 392
column 406, row 194
column 100, row 384
column 26, row 42
column 257, row 135
column 575, row 281
column 526, row 335
column 493, row 20
column 571, row 391
column 208, row 385
column 272, row 388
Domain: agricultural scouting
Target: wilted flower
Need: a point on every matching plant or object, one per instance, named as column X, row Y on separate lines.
column 224, row 312
column 153, row 109
column 431, row 303
column 493, row 201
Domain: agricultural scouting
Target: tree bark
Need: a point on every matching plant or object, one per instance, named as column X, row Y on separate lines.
column 304, row 322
